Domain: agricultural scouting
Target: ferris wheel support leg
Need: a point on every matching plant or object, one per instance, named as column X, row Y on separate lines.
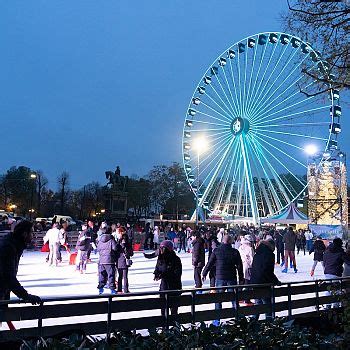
column 250, row 183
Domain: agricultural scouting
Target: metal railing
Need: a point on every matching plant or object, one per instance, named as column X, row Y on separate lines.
column 124, row 304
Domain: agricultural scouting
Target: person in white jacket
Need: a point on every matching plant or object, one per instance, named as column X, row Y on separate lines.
column 247, row 253
column 53, row 237
column 156, row 237
column 221, row 234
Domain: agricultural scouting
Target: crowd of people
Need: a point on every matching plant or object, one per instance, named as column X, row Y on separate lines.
column 240, row 255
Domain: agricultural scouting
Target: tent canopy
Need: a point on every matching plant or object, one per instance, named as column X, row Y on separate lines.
column 290, row 215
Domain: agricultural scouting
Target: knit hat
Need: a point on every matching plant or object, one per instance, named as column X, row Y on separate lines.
column 337, row 242
column 104, row 224
column 248, row 238
column 270, row 243
column 167, row 244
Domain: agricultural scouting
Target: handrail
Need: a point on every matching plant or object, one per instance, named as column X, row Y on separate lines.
column 181, row 291
column 191, row 299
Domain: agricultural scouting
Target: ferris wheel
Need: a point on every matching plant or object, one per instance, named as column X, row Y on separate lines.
column 258, row 106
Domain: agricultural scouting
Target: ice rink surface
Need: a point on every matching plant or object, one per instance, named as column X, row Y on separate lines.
column 47, row 281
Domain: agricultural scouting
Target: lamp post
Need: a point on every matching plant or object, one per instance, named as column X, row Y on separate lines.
column 200, row 145
column 31, row 211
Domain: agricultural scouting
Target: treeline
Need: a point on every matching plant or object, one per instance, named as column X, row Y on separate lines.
column 27, row 192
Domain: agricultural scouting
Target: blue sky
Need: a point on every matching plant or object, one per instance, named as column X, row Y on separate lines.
column 88, row 85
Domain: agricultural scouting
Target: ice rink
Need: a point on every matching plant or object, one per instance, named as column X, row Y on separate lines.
column 39, row 278
column 46, row 281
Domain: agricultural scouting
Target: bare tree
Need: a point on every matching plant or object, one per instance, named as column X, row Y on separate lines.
column 41, row 181
column 63, row 182
column 326, row 25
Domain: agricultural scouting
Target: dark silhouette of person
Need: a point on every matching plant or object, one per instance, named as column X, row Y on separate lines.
column 11, row 250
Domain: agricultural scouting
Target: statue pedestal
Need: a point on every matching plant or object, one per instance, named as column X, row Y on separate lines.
column 116, row 203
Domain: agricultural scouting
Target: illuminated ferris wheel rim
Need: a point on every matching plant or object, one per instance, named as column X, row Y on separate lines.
column 240, row 124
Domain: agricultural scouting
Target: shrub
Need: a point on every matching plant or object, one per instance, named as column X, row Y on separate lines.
column 242, row 334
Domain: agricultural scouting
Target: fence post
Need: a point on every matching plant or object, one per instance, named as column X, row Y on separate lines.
column 109, row 317
column 193, row 307
column 237, row 302
column 166, row 311
column 273, row 310
column 317, row 296
column 40, row 319
column 289, row 302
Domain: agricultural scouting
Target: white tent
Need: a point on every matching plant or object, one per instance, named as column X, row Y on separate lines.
column 290, row 215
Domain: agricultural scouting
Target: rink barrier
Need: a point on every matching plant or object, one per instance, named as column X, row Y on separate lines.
column 38, row 239
column 296, row 296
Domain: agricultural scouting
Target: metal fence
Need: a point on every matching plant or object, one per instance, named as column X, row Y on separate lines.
column 103, row 314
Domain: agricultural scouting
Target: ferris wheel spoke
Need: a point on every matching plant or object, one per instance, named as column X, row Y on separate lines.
column 249, row 180
column 281, row 151
column 281, row 141
column 238, row 65
column 288, row 97
column 219, row 145
column 272, row 168
column 253, row 91
column 236, row 187
column 245, row 80
column 220, row 148
column 208, row 123
column 221, row 184
column 261, row 88
column 273, row 193
column 272, row 188
column 266, row 116
column 227, row 114
column 267, row 178
column 277, row 178
column 216, row 169
column 240, row 192
column 268, row 102
column 258, row 115
column 294, row 134
column 228, row 111
column 224, row 179
column 295, row 125
column 216, row 129
column 217, row 158
column 233, row 110
column 233, row 182
column 229, row 88
column 226, row 117
column 211, row 116
column 250, row 81
column 235, row 89
column 264, row 97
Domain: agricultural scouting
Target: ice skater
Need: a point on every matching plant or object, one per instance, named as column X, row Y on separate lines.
column 107, row 248
column 318, row 249
column 83, row 247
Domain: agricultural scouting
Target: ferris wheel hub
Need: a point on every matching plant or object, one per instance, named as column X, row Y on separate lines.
column 239, row 125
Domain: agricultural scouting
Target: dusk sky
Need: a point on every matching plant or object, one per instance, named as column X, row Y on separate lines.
column 89, row 85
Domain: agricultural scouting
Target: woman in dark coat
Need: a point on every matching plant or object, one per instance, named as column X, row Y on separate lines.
column 318, row 249
column 198, row 258
column 124, row 253
column 169, row 270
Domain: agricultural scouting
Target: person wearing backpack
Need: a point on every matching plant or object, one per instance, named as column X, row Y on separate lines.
column 107, row 248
